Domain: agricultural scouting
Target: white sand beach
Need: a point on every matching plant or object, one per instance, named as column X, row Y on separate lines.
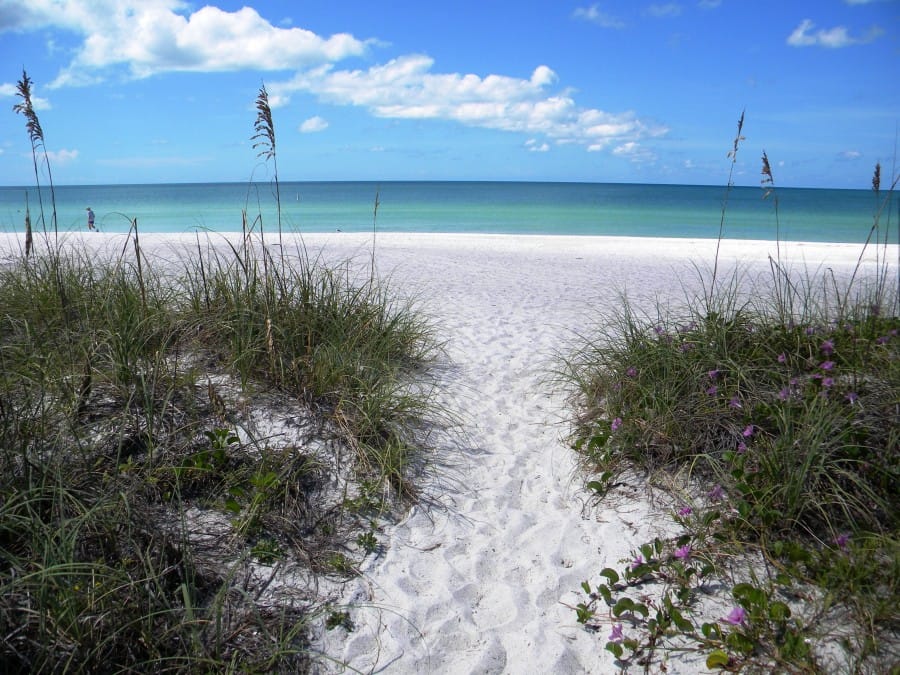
column 486, row 581
column 482, row 576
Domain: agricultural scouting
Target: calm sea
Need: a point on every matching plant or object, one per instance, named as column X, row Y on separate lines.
column 496, row 207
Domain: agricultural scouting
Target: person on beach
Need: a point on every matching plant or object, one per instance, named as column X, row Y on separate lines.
column 91, row 219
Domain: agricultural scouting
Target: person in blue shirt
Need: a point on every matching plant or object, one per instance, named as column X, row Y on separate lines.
column 90, row 215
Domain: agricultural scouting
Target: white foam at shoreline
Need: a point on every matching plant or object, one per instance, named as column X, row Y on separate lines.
column 480, row 583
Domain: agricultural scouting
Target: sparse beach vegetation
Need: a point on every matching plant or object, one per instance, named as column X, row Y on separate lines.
column 191, row 445
column 770, row 413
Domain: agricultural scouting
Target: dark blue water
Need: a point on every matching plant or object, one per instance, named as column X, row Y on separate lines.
column 494, row 207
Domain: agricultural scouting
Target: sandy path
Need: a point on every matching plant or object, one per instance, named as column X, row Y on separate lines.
column 475, row 586
column 481, row 585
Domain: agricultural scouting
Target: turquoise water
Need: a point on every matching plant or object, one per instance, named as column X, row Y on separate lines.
column 515, row 208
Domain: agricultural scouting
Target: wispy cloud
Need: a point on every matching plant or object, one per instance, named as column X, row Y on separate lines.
column 405, row 88
column 850, row 154
column 663, row 11
column 313, row 124
column 595, row 15
column 634, row 152
column 153, row 36
column 534, row 145
column 806, row 35
column 62, row 156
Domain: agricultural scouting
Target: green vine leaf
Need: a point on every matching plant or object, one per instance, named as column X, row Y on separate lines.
column 717, row 659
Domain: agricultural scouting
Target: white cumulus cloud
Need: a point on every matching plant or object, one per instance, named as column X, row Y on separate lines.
column 406, row 88
column 313, row 124
column 140, row 38
column 153, row 36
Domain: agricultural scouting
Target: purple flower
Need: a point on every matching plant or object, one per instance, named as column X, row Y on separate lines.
column 784, row 394
column 841, row 540
column 685, row 511
column 852, row 397
column 735, row 402
column 616, row 635
column 736, row 616
column 782, row 358
column 631, row 372
column 637, row 562
column 748, row 431
column 810, row 330
column 659, row 330
column 742, row 448
column 713, row 374
column 826, row 365
column 828, row 382
column 616, row 423
column 827, row 347
column 883, row 340
column 716, row 494
column 684, row 552
column 713, row 390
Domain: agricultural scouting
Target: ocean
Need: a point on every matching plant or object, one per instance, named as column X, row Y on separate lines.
column 489, row 207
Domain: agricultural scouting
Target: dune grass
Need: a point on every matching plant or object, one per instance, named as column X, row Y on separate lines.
column 111, row 431
column 778, row 413
column 189, row 446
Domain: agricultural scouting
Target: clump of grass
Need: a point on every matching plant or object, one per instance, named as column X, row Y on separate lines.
column 784, row 407
column 345, row 347
column 810, row 406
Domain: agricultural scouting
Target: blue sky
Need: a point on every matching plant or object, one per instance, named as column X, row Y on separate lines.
column 146, row 91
